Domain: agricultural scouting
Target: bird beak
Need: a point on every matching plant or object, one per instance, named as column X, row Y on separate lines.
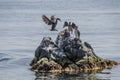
column 60, row 20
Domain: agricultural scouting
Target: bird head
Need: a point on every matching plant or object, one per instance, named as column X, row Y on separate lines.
column 74, row 26
column 65, row 24
column 52, row 17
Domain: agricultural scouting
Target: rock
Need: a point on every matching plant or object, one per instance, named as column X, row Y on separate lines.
column 44, row 49
column 72, row 67
column 67, row 54
column 73, row 48
column 47, row 66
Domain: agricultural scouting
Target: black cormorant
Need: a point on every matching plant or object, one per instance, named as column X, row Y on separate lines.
column 69, row 25
column 53, row 21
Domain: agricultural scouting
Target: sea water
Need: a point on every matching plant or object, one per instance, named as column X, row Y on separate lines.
column 22, row 29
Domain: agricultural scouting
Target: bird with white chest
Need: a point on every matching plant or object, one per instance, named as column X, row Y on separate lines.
column 72, row 28
column 76, row 32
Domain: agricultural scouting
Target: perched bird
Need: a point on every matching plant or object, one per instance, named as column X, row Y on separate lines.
column 69, row 25
column 91, row 49
column 77, row 32
column 72, row 27
column 53, row 21
column 65, row 24
column 88, row 46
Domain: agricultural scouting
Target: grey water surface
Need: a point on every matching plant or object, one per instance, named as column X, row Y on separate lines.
column 22, row 29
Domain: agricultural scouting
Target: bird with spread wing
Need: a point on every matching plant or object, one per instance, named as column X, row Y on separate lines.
column 53, row 21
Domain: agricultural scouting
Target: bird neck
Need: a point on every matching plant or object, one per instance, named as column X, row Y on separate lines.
column 56, row 21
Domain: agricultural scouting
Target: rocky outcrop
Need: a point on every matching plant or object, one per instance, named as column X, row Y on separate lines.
column 67, row 54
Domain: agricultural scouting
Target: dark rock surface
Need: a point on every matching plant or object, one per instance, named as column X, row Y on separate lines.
column 67, row 54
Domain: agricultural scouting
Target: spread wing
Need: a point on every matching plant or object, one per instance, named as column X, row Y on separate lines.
column 65, row 24
column 46, row 20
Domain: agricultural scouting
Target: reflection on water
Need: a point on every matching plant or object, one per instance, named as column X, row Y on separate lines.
column 89, row 75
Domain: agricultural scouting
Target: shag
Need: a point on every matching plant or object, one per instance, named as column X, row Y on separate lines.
column 77, row 32
column 69, row 25
column 88, row 46
column 53, row 21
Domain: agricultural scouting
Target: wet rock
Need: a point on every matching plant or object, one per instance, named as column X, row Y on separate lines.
column 44, row 50
column 67, row 54
column 71, row 67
